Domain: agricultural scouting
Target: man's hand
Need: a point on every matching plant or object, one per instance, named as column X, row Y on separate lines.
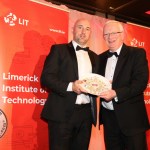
column 76, row 87
column 108, row 95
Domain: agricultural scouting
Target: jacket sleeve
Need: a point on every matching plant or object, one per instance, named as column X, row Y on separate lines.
column 50, row 76
column 138, row 77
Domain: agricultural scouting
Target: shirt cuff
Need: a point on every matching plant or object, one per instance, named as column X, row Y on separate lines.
column 116, row 99
column 69, row 88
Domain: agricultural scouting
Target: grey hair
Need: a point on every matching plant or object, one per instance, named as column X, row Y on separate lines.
column 120, row 25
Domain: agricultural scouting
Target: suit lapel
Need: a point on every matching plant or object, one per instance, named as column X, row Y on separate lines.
column 103, row 61
column 73, row 58
column 120, row 62
column 93, row 63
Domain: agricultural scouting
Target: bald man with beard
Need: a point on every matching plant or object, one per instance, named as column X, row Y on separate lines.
column 69, row 111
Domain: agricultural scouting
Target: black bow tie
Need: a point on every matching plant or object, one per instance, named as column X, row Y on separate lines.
column 81, row 48
column 110, row 54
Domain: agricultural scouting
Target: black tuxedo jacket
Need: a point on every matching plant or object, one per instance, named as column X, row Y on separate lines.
column 59, row 70
column 129, row 81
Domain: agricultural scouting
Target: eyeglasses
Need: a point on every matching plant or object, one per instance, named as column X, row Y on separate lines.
column 112, row 34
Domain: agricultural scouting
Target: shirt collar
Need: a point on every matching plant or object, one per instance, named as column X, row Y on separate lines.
column 118, row 50
column 75, row 44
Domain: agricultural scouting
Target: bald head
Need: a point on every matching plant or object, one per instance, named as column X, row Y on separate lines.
column 81, row 31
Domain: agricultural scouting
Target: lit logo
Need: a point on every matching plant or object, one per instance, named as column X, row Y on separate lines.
column 137, row 43
column 10, row 19
column 3, row 123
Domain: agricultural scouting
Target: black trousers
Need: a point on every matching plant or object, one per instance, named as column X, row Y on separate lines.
column 73, row 134
column 114, row 137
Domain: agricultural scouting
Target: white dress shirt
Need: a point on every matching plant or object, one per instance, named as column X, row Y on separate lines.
column 109, row 73
column 84, row 67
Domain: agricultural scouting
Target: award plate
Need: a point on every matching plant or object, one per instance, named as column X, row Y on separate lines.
column 95, row 84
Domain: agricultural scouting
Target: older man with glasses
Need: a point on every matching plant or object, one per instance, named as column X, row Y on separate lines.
column 123, row 111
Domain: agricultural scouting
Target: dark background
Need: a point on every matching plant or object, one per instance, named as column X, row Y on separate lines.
column 133, row 11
